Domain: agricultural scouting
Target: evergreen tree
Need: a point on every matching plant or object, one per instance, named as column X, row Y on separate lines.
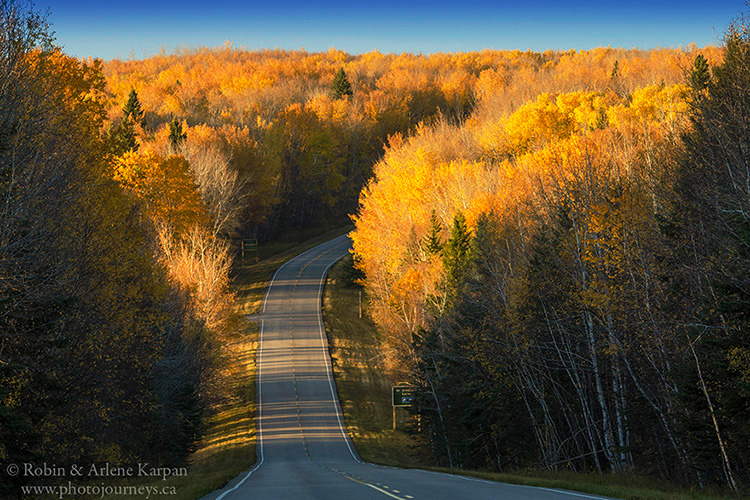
column 176, row 135
column 615, row 70
column 123, row 136
column 341, row 86
column 700, row 74
column 433, row 242
column 132, row 109
column 484, row 237
column 615, row 82
column 457, row 255
column 714, row 229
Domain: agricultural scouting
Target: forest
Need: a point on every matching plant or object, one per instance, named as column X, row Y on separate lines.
column 561, row 236
column 573, row 271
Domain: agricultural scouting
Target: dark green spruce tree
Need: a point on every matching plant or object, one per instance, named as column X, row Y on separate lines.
column 341, row 86
column 176, row 135
column 615, row 79
column 133, row 110
column 433, row 242
column 123, row 136
column 457, row 255
column 700, row 75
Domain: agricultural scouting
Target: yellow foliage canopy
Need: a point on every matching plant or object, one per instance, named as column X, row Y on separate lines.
column 164, row 186
column 570, row 150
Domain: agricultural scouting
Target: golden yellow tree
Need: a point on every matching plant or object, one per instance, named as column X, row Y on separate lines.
column 164, row 186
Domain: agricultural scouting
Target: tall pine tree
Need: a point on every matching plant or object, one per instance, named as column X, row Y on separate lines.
column 132, row 109
column 341, row 86
column 700, row 75
column 457, row 256
column 433, row 242
column 176, row 135
column 123, row 137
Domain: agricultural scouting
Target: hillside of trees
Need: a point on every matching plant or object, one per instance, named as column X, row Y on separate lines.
column 567, row 280
column 561, row 236
column 303, row 152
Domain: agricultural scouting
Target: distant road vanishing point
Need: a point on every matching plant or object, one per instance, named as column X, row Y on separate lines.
column 304, row 450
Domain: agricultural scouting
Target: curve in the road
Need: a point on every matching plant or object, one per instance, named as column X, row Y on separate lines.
column 304, row 450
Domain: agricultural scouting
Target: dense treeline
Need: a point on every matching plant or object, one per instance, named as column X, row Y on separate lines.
column 575, row 220
column 573, row 273
column 305, row 151
column 110, row 320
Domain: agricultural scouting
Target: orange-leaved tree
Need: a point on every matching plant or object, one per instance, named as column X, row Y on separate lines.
column 164, row 186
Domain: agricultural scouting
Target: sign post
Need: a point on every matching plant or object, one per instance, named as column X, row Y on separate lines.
column 249, row 246
column 402, row 396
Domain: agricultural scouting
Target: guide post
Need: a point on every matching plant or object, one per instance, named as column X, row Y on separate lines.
column 402, row 396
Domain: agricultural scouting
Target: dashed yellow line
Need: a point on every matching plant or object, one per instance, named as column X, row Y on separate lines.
column 291, row 339
column 359, row 480
column 296, row 396
column 381, row 490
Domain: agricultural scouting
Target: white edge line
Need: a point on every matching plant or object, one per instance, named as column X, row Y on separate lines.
column 282, row 266
column 260, row 376
column 563, row 491
column 477, row 480
column 334, row 396
column 260, row 406
column 327, row 360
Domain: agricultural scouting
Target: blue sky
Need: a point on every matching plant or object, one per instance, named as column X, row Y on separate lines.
column 104, row 29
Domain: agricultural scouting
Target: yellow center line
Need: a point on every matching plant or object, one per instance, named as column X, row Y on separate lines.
column 296, row 393
column 291, row 339
column 373, row 487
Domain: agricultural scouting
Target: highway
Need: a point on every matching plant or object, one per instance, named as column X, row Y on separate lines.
column 304, row 451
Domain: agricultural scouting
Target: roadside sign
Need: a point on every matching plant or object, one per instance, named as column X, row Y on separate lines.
column 249, row 246
column 403, row 395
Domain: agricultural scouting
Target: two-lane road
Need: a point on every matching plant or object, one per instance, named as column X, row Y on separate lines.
column 304, row 450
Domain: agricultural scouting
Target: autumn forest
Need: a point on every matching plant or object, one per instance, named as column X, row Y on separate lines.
column 555, row 244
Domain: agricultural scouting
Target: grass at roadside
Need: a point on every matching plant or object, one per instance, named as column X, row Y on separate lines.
column 626, row 486
column 228, row 446
column 363, row 385
column 364, row 391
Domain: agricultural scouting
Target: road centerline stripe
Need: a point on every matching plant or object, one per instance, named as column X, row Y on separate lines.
column 384, row 492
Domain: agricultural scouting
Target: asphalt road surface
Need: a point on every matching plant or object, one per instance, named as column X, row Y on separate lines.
column 304, row 451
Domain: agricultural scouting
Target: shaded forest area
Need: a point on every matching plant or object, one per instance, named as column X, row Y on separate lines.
column 114, row 298
column 575, row 200
column 567, row 281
